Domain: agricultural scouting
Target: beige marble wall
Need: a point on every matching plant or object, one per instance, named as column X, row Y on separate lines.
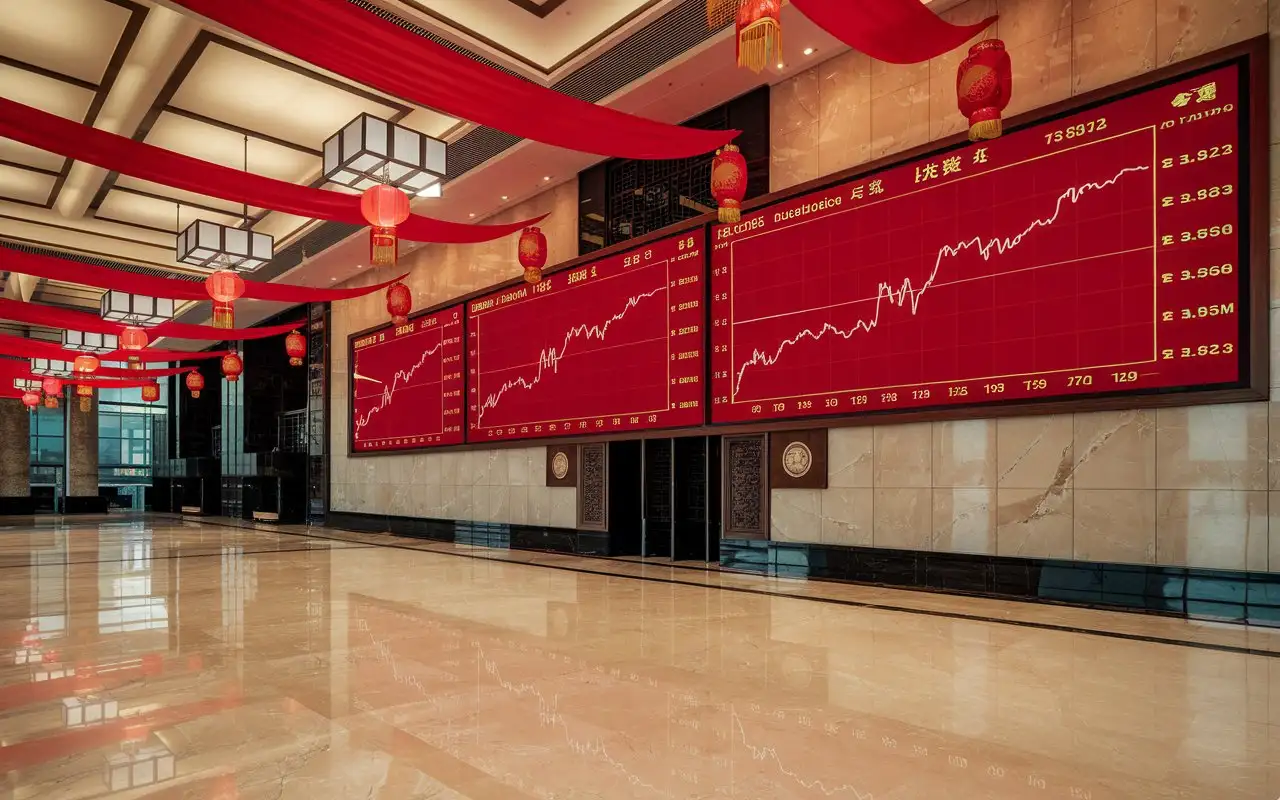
column 506, row 485
column 15, row 455
column 1188, row 486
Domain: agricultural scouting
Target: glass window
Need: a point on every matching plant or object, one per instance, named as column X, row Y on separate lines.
column 108, row 424
column 49, row 421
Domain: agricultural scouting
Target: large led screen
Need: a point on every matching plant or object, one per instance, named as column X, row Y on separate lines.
column 406, row 384
column 1100, row 252
column 610, row 346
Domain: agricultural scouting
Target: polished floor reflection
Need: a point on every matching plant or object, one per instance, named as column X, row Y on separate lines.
column 162, row 659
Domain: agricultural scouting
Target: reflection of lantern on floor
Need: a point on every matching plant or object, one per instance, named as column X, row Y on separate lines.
column 88, row 710
column 137, row 765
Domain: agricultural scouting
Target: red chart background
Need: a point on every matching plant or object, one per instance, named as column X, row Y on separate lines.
column 414, row 397
column 1035, row 268
column 619, row 348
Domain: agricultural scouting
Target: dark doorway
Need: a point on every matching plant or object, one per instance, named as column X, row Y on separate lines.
column 658, row 472
column 626, row 502
column 682, row 498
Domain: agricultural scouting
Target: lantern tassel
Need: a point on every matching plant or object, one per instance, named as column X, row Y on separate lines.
column 383, row 247
column 224, row 316
column 757, row 41
column 730, row 211
column 85, row 404
column 985, row 125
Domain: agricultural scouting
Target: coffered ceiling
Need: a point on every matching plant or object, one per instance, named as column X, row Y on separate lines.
column 149, row 70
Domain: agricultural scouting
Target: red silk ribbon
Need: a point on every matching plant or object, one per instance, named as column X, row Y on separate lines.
column 66, row 319
column 895, row 31
column 62, row 269
column 342, row 38
column 79, row 142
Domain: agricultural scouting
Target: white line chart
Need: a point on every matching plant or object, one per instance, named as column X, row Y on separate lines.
column 907, row 292
column 766, row 753
column 399, row 380
column 549, row 716
column 549, row 359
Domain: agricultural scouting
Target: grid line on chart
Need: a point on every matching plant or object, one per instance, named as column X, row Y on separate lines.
column 907, row 291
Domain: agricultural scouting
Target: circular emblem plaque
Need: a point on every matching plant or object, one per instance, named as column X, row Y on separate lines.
column 560, row 465
column 797, row 459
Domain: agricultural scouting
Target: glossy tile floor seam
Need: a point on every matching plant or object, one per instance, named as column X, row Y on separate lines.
column 350, row 668
column 1270, row 635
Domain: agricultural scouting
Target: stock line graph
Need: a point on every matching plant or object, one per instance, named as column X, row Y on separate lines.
column 406, row 384
column 1042, row 264
column 549, row 358
column 907, row 293
column 608, row 346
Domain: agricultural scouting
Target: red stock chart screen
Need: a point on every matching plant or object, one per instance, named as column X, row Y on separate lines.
column 611, row 346
column 1100, row 252
column 406, row 384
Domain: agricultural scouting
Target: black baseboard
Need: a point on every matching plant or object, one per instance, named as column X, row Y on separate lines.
column 480, row 534
column 17, row 506
column 1228, row 596
column 89, row 504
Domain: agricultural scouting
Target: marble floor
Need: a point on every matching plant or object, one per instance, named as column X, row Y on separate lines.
column 162, row 658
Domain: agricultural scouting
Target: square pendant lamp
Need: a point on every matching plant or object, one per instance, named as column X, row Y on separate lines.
column 86, row 342
column 135, row 767
column 368, row 151
column 136, row 309
column 209, row 245
column 51, row 367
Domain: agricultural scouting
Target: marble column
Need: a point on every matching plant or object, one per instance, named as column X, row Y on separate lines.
column 15, row 471
column 82, row 452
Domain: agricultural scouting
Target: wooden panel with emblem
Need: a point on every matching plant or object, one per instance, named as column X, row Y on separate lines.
column 798, row 459
column 562, row 465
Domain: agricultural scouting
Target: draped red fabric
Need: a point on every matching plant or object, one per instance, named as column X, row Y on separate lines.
column 18, row 347
column 140, row 374
column 17, row 369
column 342, row 38
column 896, row 31
column 61, row 269
column 121, row 154
column 66, row 319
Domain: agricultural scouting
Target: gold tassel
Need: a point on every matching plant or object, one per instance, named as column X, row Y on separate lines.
column 986, row 129
column 729, row 214
column 224, row 316
column 86, row 404
column 755, row 43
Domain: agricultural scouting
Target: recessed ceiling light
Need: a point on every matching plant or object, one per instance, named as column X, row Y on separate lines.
column 504, row 197
column 546, row 177
column 333, row 279
column 472, row 215
column 781, row 65
column 808, row 51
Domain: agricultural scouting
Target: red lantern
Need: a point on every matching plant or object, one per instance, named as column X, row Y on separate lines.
column 533, row 253
column 399, row 303
column 51, row 386
column 224, row 287
column 295, row 344
column 384, row 207
column 195, row 382
column 759, row 30
column 150, row 392
column 85, row 392
column 30, row 400
column 86, row 364
column 984, row 84
column 232, row 367
column 133, row 338
column 729, row 182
